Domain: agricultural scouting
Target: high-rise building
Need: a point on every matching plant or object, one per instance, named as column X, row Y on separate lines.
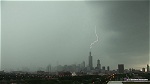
column 147, row 68
column 49, row 68
column 83, row 64
column 107, row 68
column 98, row 64
column 121, row 68
column 143, row 69
column 90, row 61
column 103, row 68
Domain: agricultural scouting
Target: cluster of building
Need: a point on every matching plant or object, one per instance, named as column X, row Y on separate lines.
column 81, row 69
column 143, row 69
column 93, row 70
column 98, row 68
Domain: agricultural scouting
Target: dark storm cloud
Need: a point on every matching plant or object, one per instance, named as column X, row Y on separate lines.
column 130, row 20
column 127, row 27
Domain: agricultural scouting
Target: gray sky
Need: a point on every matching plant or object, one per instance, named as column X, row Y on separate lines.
column 35, row 34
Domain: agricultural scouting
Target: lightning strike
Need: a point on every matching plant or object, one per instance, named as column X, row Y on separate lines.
column 95, row 40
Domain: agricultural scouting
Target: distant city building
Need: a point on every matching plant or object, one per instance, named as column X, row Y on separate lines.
column 130, row 69
column 143, row 69
column 49, row 68
column 59, row 68
column 107, row 68
column 98, row 64
column 121, row 68
column 41, row 72
column 67, row 73
column 147, row 68
column 133, row 70
column 90, row 61
column 103, row 68
column 2, row 72
column 126, row 71
column 83, row 64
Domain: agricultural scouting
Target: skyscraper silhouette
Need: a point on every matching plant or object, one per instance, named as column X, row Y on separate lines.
column 121, row 68
column 107, row 68
column 98, row 64
column 147, row 68
column 90, row 61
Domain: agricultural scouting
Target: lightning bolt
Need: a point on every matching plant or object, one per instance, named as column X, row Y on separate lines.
column 95, row 40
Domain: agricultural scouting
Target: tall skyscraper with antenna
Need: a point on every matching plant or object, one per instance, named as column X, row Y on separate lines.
column 90, row 61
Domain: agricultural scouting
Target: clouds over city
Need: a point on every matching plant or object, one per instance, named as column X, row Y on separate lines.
column 35, row 34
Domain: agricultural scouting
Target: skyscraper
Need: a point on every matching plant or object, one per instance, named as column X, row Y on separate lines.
column 90, row 61
column 83, row 63
column 107, row 68
column 103, row 68
column 98, row 64
column 49, row 68
column 121, row 68
column 147, row 68
column 143, row 69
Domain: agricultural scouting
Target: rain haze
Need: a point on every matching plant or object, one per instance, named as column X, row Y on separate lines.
column 36, row 34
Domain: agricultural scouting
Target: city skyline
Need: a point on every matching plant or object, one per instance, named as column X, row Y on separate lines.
column 36, row 34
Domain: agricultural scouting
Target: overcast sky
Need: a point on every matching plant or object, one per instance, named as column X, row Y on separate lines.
column 35, row 34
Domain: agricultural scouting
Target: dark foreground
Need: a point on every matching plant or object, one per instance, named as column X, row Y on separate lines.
column 60, row 80
column 12, row 78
